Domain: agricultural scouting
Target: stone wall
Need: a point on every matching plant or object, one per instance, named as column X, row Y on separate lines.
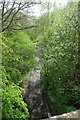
column 75, row 115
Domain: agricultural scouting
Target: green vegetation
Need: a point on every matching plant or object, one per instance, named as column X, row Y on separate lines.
column 58, row 39
column 18, row 58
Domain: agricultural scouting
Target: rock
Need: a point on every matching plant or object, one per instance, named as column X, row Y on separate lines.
column 75, row 115
column 38, row 102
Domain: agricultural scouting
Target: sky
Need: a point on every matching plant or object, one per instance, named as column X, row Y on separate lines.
column 63, row 2
column 37, row 8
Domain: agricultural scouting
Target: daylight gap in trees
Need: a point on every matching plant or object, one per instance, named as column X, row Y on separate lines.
column 11, row 8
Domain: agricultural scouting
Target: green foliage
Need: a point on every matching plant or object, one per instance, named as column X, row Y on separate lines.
column 18, row 54
column 13, row 104
column 59, row 47
column 18, row 59
column 56, row 37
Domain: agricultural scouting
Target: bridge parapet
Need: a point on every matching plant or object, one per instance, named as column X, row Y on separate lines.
column 75, row 115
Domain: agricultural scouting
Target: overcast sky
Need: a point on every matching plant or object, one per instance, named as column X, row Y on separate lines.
column 37, row 8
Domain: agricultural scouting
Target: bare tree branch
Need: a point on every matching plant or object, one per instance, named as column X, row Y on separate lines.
column 28, row 27
column 10, row 11
column 3, row 6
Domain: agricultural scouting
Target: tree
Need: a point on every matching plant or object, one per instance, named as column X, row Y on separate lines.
column 59, row 42
column 18, row 59
column 13, row 11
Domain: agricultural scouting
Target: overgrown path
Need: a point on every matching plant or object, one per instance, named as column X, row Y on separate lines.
column 39, row 104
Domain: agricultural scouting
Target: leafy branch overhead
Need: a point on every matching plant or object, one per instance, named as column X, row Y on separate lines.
column 15, row 11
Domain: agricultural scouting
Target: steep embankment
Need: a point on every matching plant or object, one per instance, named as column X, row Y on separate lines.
column 18, row 58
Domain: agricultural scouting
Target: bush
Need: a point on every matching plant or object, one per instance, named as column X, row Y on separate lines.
column 59, row 44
